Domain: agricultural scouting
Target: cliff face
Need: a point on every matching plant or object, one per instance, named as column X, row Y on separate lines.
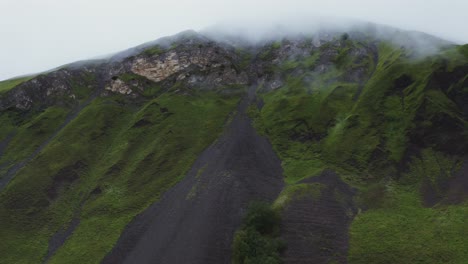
column 354, row 143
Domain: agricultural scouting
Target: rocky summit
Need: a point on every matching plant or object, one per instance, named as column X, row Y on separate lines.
column 328, row 147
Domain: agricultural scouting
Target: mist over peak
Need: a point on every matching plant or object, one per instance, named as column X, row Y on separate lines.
column 321, row 28
column 68, row 32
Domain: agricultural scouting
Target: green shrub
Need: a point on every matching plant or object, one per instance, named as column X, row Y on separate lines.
column 464, row 50
column 257, row 241
column 344, row 36
column 156, row 50
column 262, row 218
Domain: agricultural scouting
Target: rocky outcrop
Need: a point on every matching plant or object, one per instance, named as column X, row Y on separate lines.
column 164, row 66
column 55, row 88
column 206, row 65
column 119, row 86
column 192, row 61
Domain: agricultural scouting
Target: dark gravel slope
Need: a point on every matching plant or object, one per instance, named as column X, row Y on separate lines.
column 195, row 221
column 316, row 230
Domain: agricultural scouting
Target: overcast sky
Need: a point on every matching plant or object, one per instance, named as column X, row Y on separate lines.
column 36, row 35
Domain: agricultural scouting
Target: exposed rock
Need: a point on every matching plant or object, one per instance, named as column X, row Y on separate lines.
column 158, row 70
column 214, row 62
column 119, row 86
column 48, row 89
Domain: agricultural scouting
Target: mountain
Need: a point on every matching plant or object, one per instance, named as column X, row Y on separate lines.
column 328, row 147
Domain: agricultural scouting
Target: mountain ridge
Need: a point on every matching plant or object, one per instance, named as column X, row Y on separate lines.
column 366, row 132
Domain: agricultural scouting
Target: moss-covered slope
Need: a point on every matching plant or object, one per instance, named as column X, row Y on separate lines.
column 398, row 134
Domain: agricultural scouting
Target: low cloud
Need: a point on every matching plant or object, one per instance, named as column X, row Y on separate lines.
column 42, row 34
column 321, row 27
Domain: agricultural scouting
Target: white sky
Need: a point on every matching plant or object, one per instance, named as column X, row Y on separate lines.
column 37, row 35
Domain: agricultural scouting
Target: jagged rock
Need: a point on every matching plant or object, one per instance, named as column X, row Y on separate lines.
column 119, row 86
column 44, row 90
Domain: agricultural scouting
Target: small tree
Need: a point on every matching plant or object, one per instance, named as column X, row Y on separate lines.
column 345, row 37
column 257, row 241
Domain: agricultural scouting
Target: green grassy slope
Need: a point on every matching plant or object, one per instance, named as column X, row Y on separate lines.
column 380, row 137
column 23, row 132
column 28, row 133
column 106, row 166
column 11, row 83
column 406, row 232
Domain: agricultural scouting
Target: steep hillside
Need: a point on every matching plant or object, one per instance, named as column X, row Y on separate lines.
column 356, row 147
column 398, row 134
